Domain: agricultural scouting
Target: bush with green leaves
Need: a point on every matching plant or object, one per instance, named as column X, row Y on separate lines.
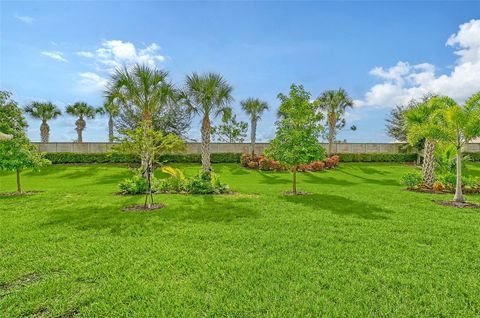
column 411, row 180
column 137, row 184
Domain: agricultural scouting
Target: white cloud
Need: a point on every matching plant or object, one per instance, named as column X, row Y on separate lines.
column 405, row 81
column 116, row 53
column 92, row 82
column 25, row 18
column 56, row 55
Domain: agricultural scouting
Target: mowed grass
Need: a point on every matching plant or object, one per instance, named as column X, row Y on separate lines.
column 357, row 246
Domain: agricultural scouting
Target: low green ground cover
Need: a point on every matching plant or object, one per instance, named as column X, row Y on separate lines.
column 358, row 245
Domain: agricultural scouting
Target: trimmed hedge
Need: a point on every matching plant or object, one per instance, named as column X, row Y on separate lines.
column 73, row 157
column 378, row 157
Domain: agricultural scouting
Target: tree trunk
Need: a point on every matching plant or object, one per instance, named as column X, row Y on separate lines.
column 80, row 126
column 110, row 129
column 44, row 131
column 19, row 186
column 294, row 183
column 206, row 145
column 331, row 137
column 428, row 168
column 458, row 188
column 145, row 157
column 253, row 133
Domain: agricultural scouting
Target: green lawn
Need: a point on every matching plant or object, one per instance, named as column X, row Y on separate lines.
column 359, row 245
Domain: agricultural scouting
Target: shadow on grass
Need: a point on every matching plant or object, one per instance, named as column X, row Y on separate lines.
column 341, row 206
column 384, row 182
column 272, row 177
column 198, row 208
column 320, row 178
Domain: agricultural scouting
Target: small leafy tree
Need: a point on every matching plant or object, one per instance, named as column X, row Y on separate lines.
column 148, row 144
column 16, row 153
column 231, row 130
column 44, row 112
column 82, row 111
column 298, row 131
column 334, row 103
column 458, row 125
column 254, row 108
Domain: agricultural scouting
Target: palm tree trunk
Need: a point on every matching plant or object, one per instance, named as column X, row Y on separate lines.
column 331, row 138
column 206, row 144
column 458, row 188
column 19, row 186
column 253, row 132
column 110, row 129
column 428, row 168
column 80, row 126
column 294, row 183
column 44, row 131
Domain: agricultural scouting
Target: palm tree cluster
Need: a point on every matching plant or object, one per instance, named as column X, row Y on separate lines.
column 439, row 119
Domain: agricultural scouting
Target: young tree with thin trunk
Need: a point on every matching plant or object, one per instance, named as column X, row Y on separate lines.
column 419, row 126
column 44, row 112
column 458, row 125
column 208, row 96
column 112, row 109
column 254, row 108
column 334, row 103
column 17, row 153
column 231, row 131
column 146, row 89
column 147, row 144
column 82, row 111
column 298, row 131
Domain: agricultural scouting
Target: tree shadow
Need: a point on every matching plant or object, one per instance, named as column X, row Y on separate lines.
column 315, row 178
column 370, row 170
column 341, row 206
column 272, row 177
column 187, row 208
column 383, row 182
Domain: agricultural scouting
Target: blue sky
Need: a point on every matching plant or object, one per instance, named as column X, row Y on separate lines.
column 382, row 53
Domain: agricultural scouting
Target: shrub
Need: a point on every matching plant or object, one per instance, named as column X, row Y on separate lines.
column 172, row 185
column 317, row 165
column 411, row 180
column 438, row 186
column 449, row 180
column 137, row 185
column 202, row 184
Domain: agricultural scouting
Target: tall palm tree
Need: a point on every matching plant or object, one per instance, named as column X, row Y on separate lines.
column 44, row 112
column 82, row 111
column 112, row 109
column 334, row 104
column 420, row 124
column 207, row 95
column 254, row 108
column 147, row 89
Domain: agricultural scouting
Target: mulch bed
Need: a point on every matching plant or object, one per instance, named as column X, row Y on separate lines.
column 142, row 208
column 426, row 190
column 15, row 194
column 461, row 205
column 298, row 193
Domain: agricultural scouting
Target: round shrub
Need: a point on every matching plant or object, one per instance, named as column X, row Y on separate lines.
column 411, row 180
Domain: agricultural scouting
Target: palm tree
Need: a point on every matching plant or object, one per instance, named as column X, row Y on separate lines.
column 207, row 95
column 44, row 112
column 82, row 111
column 254, row 108
column 146, row 89
column 419, row 125
column 458, row 125
column 334, row 103
column 113, row 110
